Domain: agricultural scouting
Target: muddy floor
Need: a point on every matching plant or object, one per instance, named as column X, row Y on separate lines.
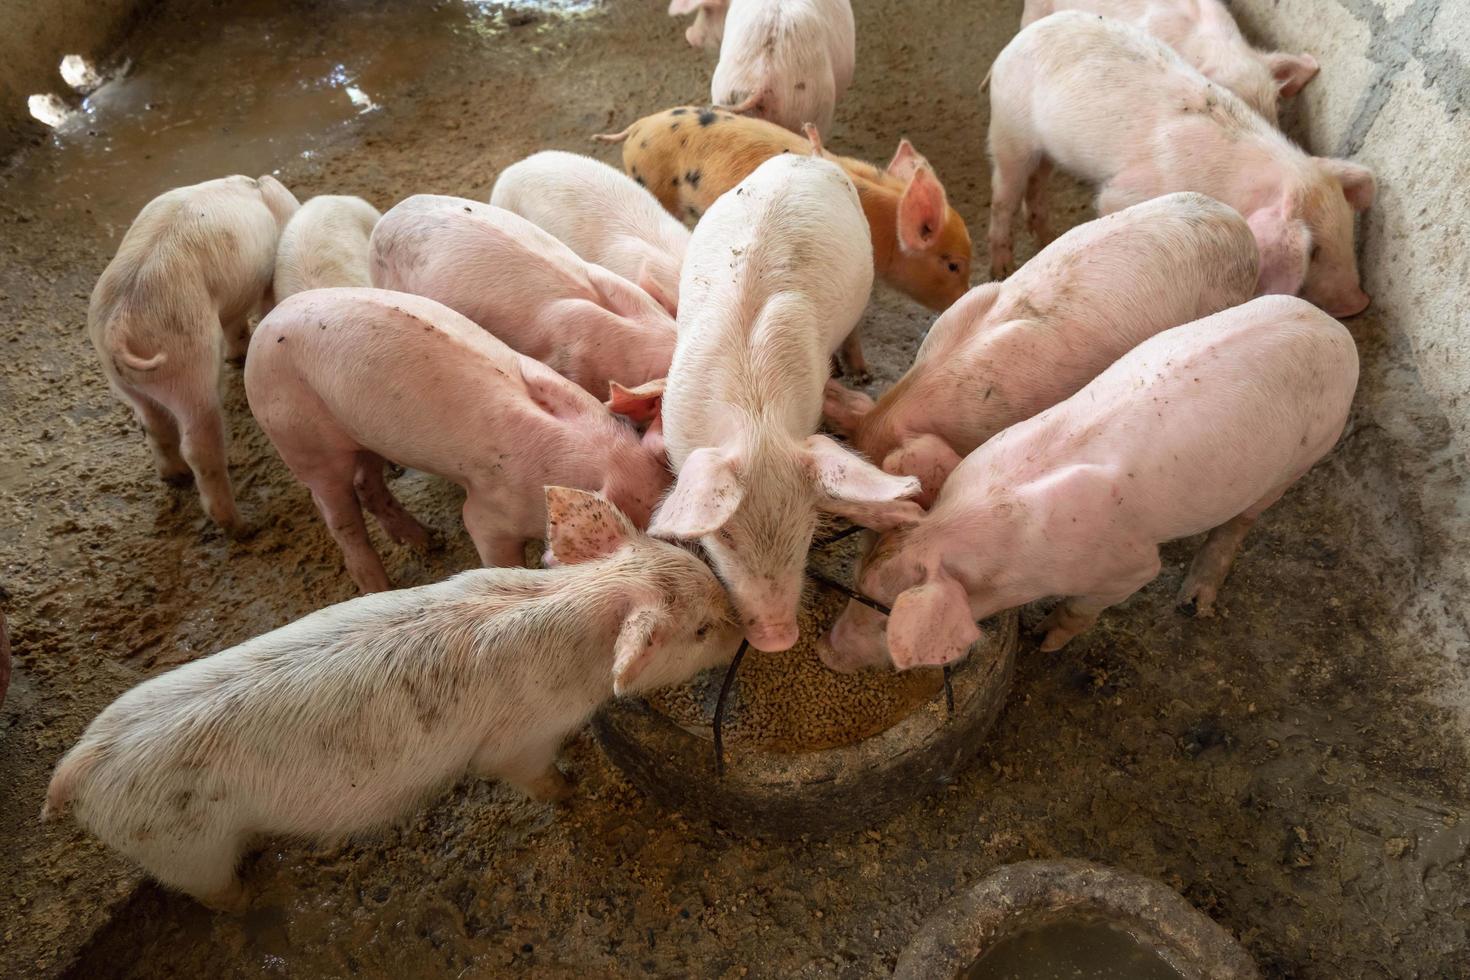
column 1296, row 766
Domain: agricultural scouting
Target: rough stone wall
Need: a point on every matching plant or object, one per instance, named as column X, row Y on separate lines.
column 1392, row 94
column 34, row 36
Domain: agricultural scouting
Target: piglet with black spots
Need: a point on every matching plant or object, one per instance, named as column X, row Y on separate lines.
column 1010, row 350
column 528, row 289
column 356, row 715
column 788, row 61
column 1197, row 429
column 343, row 379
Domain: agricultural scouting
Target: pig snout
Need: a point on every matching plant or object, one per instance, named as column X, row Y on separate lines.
column 856, row 641
column 772, row 635
column 1351, row 304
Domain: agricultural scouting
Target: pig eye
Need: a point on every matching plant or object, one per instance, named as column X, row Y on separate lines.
column 700, row 633
column 1313, row 256
column 954, row 267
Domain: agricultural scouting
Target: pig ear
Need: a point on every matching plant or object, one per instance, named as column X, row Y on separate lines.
column 1357, row 181
column 636, row 647
column 582, row 526
column 649, row 285
column 927, row 457
column 1291, row 71
column 921, row 211
column 906, row 160
column 706, row 494
column 859, row 491
column 931, row 624
column 843, row 407
column 641, row 404
column 1285, row 243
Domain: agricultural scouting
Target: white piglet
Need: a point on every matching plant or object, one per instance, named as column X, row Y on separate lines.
column 600, row 213
column 342, row 379
column 1112, row 105
column 176, row 301
column 1206, row 36
column 348, row 719
column 525, row 287
column 1007, row 351
column 325, row 244
column 778, row 273
column 1199, row 428
column 787, row 61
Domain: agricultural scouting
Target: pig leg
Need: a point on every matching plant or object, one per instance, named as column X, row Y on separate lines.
column 162, row 433
column 237, row 339
column 1077, row 614
column 202, row 441
column 380, row 502
column 332, row 491
column 852, row 352
column 1213, row 560
column 532, row 771
column 1013, row 163
column 493, row 532
column 1038, row 203
column 203, row 868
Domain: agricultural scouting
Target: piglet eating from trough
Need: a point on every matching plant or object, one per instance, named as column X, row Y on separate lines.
column 600, row 213
column 176, row 301
column 350, row 718
column 1200, row 428
column 525, row 287
column 1114, row 106
column 777, row 274
column 1009, row 350
column 689, row 157
column 343, row 379
column 325, row 244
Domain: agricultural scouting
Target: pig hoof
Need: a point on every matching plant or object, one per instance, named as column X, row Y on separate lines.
column 860, row 376
column 1197, row 602
column 239, row 530
column 178, row 478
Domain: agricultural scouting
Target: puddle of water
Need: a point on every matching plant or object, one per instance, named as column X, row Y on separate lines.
column 250, row 88
column 1073, row 949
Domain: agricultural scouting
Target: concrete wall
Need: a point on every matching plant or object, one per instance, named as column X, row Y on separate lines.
column 1393, row 94
column 35, row 35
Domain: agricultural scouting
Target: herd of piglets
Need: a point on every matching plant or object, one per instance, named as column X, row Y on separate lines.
column 646, row 399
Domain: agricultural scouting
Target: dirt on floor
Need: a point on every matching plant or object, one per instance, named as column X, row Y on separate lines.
column 1296, row 767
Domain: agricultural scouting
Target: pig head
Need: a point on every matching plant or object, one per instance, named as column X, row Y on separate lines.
column 754, row 508
column 930, row 623
column 1305, row 234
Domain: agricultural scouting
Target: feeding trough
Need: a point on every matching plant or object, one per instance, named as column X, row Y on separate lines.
column 1041, row 919
column 807, row 750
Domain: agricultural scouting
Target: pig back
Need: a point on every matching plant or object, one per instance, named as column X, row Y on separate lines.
column 1193, row 426
column 484, row 262
column 410, row 379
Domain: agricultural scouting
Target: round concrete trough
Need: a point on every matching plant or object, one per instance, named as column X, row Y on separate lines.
column 1018, row 898
column 813, row 792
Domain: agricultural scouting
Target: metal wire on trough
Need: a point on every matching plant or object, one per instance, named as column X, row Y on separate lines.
column 719, row 723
